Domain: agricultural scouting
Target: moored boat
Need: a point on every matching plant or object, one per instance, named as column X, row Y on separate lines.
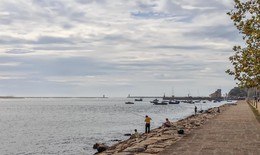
column 138, row 99
column 188, row 101
column 164, row 102
column 154, row 101
column 129, row 102
column 174, row 102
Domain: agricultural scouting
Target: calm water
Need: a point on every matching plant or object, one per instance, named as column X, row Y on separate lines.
column 71, row 126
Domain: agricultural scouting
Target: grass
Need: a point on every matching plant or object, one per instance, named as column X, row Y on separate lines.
column 257, row 114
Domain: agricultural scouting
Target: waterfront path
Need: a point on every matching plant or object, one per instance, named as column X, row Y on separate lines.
column 234, row 132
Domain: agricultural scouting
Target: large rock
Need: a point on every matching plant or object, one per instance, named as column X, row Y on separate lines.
column 134, row 149
column 181, row 131
column 153, row 150
column 100, row 147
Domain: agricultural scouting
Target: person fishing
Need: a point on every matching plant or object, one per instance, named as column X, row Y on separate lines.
column 147, row 124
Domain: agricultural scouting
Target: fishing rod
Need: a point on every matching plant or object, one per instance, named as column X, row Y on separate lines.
column 137, row 114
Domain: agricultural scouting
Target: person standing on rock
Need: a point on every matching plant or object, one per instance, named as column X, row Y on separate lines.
column 147, row 124
column 195, row 110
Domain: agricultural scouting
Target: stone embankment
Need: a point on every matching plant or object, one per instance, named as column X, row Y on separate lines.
column 158, row 139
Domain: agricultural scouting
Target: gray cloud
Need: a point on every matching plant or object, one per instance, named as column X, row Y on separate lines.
column 215, row 32
column 187, row 47
column 11, row 40
column 41, row 40
column 53, row 40
column 75, row 66
column 91, row 1
column 70, row 47
column 18, row 51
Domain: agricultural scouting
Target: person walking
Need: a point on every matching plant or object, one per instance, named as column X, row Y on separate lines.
column 147, row 124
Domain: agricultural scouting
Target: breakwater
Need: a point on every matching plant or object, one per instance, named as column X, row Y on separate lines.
column 158, row 139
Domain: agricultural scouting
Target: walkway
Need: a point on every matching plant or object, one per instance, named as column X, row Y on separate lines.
column 234, row 132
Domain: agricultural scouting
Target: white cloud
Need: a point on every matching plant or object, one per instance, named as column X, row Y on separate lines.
column 118, row 45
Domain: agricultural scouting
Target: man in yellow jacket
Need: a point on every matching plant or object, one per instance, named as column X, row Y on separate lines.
column 147, row 124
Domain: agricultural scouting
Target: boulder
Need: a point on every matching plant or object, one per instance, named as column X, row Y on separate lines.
column 181, row 131
column 100, row 147
column 153, row 150
column 127, row 134
column 134, row 149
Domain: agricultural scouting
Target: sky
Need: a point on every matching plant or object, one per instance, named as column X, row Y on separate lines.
column 114, row 48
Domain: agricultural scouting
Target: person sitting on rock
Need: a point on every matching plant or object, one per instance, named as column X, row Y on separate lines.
column 135, row 135
column 167, row 123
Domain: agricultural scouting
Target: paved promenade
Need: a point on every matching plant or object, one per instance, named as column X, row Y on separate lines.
column 234, row 132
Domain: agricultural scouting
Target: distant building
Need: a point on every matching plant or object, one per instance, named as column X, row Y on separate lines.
column 216, row 94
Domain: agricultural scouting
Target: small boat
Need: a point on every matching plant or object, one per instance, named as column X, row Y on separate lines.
column 138, row 99
column 154, row 101
column 164, row 102
column 188, row 101
column 129, row 102
column 174, row 102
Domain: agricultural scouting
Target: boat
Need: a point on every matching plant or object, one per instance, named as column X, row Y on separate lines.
column 164, row 102
column 188, row 101
column 154, row 101
column 174, row 102
column 128, row 102
column 138, row 99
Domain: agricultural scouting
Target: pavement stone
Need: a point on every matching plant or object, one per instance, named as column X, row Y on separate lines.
column 234, row 132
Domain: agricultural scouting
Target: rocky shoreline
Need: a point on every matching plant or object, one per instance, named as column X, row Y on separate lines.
column 158, row 139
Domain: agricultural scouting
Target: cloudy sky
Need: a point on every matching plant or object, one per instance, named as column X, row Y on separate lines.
column 115, row 47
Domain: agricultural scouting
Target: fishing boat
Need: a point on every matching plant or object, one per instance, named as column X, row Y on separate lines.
column 128, row 102
column 174, row 102
column 188, row 101
column 138, row 99
column 154, row 101
column 164, row 102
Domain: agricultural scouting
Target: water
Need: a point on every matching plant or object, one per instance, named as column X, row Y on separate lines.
column 68, row 126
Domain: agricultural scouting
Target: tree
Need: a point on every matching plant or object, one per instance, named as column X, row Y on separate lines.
column 246, row 60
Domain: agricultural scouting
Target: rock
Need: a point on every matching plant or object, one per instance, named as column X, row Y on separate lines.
column 100, row 147
column 200, row 111
column 116, row 140
column 124, row 153
column 156, row 146
column 127, row 134
column 181, row 132
column 134, row 149
column 153, row 150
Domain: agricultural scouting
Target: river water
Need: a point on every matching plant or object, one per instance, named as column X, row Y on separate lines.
column 70, row 126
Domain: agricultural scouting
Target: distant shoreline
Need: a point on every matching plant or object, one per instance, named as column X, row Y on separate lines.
column 13, row 97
